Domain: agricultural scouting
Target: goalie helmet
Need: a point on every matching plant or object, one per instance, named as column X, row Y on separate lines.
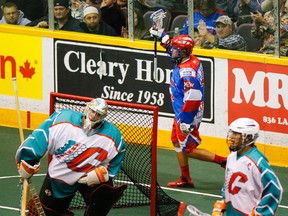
column 95, row 112
column 248, row 130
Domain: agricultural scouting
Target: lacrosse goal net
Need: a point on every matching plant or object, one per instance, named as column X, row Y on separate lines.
column 138, row 125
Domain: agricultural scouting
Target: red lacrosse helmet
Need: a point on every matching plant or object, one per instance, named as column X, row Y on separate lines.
column 183, row 42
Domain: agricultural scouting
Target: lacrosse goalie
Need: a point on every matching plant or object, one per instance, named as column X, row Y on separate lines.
column 87, row 152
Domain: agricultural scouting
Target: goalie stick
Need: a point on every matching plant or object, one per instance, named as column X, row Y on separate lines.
column 195, row 211
column 157, row 23
column 28, row 190
column 24, row 181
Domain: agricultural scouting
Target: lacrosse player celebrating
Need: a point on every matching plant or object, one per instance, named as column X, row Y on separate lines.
column 87, row 152
column 251, row 187
column 187, row 96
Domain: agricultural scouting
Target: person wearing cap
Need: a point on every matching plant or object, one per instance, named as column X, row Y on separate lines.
column 62, row 17
column 93, row 24
column 225, row 37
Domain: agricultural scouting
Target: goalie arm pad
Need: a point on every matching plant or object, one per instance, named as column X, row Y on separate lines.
column 96, row 176
column 26, row 170
column 219, row 208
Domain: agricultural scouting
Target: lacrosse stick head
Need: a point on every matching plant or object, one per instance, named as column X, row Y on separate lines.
column 157, row 18
column 193, row 211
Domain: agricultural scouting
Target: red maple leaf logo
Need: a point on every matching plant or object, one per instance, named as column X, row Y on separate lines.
column 26, row 71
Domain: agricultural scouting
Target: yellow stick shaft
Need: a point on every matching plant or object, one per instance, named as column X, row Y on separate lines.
column 25, row 182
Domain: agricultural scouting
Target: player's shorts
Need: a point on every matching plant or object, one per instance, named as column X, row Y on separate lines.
column 188, row 142
column 53, row 206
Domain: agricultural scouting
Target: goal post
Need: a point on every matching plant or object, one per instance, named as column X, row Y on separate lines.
column 138, row 124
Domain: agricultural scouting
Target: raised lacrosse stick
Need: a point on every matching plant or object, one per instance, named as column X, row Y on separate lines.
column 157, row 18
column 157, row 23
column 195, row 211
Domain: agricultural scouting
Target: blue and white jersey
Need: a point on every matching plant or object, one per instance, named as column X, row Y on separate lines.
column 187, row 91
column 250, row 182
column 73, row 152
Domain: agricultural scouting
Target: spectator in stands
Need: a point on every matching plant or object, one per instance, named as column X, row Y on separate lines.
column 94, row 3
column 245, row 7
column 1, row 5
column 77, row 7
column 198, row 39
column 112, row 15
column 93, row 24
column 11, row 15
column 207, row 11
column 225, row 37
column 139, row 30
column 122, row 4
column 32, row 9
column 62, row 16
column 228, row 7
column 264, row 29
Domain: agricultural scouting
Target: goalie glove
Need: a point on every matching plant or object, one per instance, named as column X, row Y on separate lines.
column 97, row 176
column 26, row 170
column 185, row 128
column 219, row 208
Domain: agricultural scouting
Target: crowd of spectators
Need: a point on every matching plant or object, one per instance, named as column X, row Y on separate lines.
column 109, row 17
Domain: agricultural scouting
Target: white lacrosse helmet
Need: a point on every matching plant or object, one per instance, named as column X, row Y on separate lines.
column 99, row 106
column 245, row 127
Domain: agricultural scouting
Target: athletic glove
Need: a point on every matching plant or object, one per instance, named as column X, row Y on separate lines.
column 26, row 170
column 165, row 39
column 97, row 176
column 156, row 32
column 219, row 208
column 185, row 128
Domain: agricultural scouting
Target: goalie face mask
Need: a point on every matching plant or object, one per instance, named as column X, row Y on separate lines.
column 95, row 112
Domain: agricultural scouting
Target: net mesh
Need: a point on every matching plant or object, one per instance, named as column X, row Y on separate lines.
column 136, row 126
column 33, row 206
